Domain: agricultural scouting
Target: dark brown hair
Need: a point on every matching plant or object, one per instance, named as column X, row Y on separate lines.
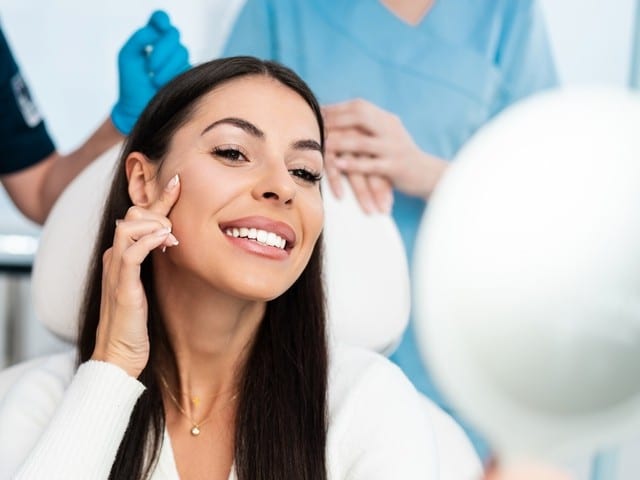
column 280, row 430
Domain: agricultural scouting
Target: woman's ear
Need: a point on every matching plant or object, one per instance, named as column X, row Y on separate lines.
column 140, row 174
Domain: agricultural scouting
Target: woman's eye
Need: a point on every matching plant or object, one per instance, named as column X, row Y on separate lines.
column 306, row 175
column 229, row 153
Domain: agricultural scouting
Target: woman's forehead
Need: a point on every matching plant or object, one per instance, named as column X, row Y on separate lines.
column 259, row 99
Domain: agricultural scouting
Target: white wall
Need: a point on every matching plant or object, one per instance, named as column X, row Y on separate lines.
column 591, row 39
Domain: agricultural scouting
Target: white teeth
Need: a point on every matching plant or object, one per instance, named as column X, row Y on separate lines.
column 262, row 236
column 273, row 240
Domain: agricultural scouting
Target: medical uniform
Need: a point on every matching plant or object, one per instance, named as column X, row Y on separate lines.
column 445, row 77
column 24, row 140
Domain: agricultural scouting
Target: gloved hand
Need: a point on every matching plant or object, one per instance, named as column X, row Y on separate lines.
column 151, row 57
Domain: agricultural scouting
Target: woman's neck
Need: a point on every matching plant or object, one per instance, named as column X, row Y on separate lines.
column 409, row 11
column 210, row 333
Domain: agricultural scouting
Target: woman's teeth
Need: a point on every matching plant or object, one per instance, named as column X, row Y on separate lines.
column 260, row 236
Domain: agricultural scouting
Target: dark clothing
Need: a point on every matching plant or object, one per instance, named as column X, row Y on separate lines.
column 24, row 140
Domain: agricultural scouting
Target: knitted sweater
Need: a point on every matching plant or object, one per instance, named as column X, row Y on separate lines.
column 59, row 423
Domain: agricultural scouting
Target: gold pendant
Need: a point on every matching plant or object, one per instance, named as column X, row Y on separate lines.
column 195, row 430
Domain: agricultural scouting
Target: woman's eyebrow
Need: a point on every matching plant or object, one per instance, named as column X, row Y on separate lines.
column 251, row 129
column 306, row 145
column 248, row 127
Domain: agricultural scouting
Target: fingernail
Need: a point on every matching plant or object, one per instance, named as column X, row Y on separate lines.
column 164, row 248
column 173, row 182
column 172, row 240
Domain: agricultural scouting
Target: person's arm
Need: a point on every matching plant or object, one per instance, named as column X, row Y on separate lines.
column 151, row 57
column 52, row 429
column 35, row 189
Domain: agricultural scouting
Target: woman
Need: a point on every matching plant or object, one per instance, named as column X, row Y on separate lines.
column 202, row 351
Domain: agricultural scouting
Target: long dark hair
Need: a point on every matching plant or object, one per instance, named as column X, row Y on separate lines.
column 281, row 425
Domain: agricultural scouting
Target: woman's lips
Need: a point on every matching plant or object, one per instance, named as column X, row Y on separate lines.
column 261, row 235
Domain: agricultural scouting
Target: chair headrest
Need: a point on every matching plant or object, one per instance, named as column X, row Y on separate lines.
column 366, row 270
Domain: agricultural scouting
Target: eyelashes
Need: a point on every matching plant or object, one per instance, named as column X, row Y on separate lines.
column 233, row 154
column 230, row 153
column 306, row 175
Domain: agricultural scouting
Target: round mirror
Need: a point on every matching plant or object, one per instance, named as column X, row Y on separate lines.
column 528, row 273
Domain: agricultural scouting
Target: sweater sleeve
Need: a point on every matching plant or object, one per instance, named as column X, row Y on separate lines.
column 65, row 434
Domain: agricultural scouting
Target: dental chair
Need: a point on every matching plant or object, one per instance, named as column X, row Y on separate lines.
column 366, row 277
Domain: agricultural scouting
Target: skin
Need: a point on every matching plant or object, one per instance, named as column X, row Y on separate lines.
column 373, row 149
column 34, row 190
column 526, row 472
column 409, row 11
column 212, row 292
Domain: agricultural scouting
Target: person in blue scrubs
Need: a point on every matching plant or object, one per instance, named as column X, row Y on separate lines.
column 31, row 170
column 405, row 84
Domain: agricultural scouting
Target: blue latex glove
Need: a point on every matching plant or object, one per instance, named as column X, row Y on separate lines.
column 151, row 57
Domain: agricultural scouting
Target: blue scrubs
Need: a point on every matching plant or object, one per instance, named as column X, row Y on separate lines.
column 24, row 140
column 462, row 64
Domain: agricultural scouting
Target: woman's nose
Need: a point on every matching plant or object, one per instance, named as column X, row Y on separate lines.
column 277, row 185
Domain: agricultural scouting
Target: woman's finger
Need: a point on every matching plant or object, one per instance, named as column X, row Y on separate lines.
column 356, row 113
column 333, row 175
column 128, row 232
column 364, row 165
column 353, row 142
column 382, row 192
column 167, row 198
column 128, row 277
column 362, row 193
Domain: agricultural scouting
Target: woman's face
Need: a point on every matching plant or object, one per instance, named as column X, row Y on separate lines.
column 250, row 210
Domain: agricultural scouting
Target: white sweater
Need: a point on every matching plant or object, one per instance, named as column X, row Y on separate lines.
column 59, row 424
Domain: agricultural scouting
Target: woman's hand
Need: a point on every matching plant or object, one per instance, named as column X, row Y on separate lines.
column 122, row 337
column 363, row 139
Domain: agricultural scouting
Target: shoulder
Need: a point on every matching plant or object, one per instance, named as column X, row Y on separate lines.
column 355, row 369
column 377, row 428
column 380, row 427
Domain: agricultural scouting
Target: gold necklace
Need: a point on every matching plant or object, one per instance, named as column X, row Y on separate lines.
column 195, row 426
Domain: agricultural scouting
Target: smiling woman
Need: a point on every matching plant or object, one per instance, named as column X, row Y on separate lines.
column 202, row 351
